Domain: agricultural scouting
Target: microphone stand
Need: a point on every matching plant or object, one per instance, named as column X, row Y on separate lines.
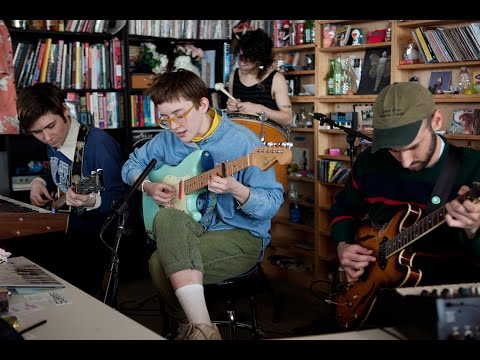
column 351, row 134
column 119, row 209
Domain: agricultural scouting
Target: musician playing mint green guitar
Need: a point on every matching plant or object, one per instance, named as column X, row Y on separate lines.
column 202, row 243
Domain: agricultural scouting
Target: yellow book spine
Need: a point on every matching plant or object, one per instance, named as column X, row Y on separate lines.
column 46, row 57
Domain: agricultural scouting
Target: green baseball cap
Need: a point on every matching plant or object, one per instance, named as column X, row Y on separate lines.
column 398, row 112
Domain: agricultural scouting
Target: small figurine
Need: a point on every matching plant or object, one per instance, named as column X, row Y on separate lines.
column 356, row 36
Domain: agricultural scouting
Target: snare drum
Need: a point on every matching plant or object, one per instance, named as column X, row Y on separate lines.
column 267, row 131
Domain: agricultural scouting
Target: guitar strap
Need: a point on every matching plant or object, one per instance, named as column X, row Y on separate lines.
column 78, row 158
column 444, row 183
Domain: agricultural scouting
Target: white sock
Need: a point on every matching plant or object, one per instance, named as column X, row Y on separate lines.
column 192, row 299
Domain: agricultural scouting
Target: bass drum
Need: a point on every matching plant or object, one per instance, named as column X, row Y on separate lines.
column 267, row 131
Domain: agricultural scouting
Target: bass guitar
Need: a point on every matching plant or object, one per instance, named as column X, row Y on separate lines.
column 90, row 184
column 190, row 179
column 393, row 268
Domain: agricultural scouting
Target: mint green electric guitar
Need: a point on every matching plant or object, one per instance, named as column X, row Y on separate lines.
column 190, row 179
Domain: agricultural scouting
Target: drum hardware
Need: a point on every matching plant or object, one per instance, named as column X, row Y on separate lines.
column 268, row 132
column 263, row 117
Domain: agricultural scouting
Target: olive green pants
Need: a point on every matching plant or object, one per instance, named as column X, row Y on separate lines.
column 182, row 244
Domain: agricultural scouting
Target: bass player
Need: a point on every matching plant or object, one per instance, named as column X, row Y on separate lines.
column 74, row 151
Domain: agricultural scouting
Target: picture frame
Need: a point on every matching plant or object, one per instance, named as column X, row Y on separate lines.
column 440, row 81
column 364, row 116
column 301, row 157
column 376, row 72
column 462, row 122
column 342, row 35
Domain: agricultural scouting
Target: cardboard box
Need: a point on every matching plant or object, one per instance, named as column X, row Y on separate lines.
column 142, row 81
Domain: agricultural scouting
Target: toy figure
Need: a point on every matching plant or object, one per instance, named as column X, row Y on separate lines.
column 357, row 37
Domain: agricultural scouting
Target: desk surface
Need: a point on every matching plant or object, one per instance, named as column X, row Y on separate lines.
column 82, row 318
column 370, row 334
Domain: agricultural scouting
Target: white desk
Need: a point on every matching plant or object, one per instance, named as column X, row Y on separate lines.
column 370, row 334
column 85, row 318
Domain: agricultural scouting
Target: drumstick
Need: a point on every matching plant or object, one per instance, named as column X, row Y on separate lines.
column 220, row 87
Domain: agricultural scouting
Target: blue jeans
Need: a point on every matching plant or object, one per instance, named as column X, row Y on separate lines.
column 183, row 243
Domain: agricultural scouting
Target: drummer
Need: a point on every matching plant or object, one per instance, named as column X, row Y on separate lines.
column 255, row 84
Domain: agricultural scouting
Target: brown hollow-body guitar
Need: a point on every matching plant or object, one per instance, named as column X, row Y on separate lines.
column 353, row 302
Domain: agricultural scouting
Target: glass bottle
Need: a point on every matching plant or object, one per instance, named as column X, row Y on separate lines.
column 388, row 32
column 349, row 86
column 330, row 75
column 308, row 32
column 337, row 77
column 464, row 82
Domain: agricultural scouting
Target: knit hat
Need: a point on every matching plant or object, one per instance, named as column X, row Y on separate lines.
column 398, row 112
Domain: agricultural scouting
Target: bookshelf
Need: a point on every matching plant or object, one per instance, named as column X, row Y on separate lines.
column 327, row 139
column 291, row 237
column 209, row 36
column 401, row 34
column 88, row 66
column 445, row 102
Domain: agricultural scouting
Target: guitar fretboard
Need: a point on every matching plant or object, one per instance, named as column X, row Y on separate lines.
column 422, row 226
column 198, row 182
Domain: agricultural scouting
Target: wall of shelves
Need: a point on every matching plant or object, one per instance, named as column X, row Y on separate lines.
column 297, row 239
column 79, row 83
column 326, row 139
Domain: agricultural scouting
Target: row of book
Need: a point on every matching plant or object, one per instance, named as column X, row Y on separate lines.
column 332, row 171
column 91, row 26
column 104, row 110
column 70, row 65
column 437, row 44
column 144, row 113
column 181, row 29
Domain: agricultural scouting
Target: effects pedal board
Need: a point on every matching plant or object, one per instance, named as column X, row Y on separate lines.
column 442, row 312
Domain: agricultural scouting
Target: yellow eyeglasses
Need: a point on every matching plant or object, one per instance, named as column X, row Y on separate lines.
column 165, row 121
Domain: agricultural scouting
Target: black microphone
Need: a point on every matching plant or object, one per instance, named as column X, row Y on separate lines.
column 119, row 207
column 319, row 116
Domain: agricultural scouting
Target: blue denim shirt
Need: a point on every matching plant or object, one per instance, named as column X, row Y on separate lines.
column 229, row 141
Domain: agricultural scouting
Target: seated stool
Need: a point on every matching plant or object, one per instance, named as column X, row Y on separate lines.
column 246, row 285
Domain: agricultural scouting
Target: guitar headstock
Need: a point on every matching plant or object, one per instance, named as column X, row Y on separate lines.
column 90, row 184
column 266, row 156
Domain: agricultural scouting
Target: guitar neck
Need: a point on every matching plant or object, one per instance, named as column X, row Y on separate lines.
column 58, row 203
column 422, row 227
column 201, row 181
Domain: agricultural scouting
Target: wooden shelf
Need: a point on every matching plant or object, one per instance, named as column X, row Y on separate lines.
column 347, row 98
column 351, row 48
column 300, row 130
column 286, row 221
column 300, row 178
column 301, row 203
column 321, row 22
column 294, row 48
column 302, row 99
column 450, row 64
column 334, row 157
column 461, row 137
column 298, row 72
column 417, row 23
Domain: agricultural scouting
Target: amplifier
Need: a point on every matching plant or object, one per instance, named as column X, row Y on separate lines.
column 443, row 312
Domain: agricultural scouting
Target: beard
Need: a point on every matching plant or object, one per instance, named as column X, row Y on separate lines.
column 419, row 165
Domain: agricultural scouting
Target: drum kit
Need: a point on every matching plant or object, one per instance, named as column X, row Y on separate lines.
column 267, row 131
